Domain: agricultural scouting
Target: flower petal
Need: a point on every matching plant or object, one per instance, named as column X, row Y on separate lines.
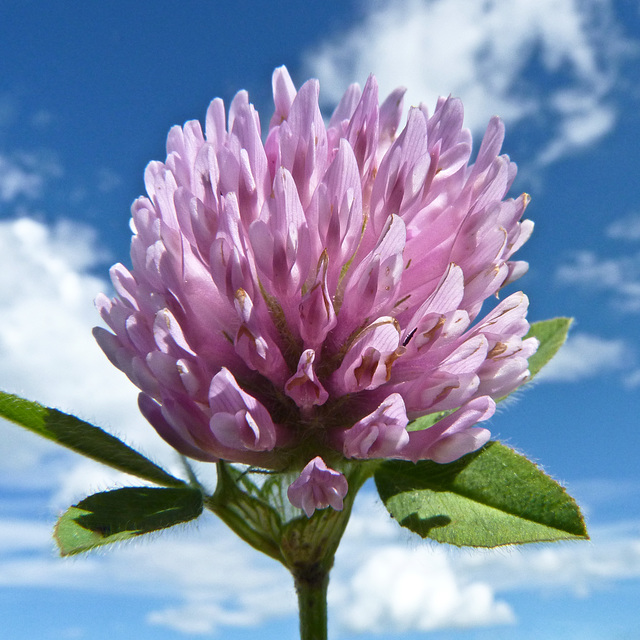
column 453, row 436
column 318, row 487
column 381, row 434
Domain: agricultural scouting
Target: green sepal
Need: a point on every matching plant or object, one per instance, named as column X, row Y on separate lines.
column 552, row 334
column 238, row 502
column 263, row 516
column 122, row 514
column 83, row 438
column 489, row 498
column 309, row 544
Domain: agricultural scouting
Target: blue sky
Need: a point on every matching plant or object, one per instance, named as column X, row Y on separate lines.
column 88, row 93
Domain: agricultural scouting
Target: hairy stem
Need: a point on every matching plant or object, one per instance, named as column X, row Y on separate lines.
column 311, row 586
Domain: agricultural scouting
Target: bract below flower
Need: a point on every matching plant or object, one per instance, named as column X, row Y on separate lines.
column 310, row 294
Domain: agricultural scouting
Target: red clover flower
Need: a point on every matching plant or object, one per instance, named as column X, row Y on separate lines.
column 296, row 302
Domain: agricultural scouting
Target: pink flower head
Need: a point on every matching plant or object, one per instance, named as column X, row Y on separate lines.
column 319, row 287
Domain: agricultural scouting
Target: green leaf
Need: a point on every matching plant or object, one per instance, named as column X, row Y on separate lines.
column 114, row 516
column 552, row 335
column 238, row 502
column 82, row 437
column 488, row 498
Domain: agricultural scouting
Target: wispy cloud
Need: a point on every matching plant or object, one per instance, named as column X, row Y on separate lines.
column 586, row 356
column 617, row 276
column 211, row 576
column 19, row 178
column 553, row 62
column 626, row 228
column 108, row 180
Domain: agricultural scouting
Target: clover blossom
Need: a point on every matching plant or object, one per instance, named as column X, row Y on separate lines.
column 298, row 301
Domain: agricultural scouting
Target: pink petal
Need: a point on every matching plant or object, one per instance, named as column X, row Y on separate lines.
column 381, row 434
column 367, row 363
column 303, row 386
column 318, row 487
column 454, row 435
column 317, row 315
column 284, row 93
column 238, row 420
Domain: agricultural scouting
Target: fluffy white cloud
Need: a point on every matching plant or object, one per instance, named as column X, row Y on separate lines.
column 384, row 580
column 382, row 583
column 553, row 62
column 397, row 589
column 585, row 356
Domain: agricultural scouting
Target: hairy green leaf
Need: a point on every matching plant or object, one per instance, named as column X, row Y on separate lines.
column 82, row 437
column 114, row 516
column 488, row 498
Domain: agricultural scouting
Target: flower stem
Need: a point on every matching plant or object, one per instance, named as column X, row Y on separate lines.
column 311, row 586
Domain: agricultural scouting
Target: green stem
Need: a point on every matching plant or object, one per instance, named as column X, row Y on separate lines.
column 311, row 586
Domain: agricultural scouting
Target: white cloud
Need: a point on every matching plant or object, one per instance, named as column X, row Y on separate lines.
column 387, row 580
column 108, row 180
column 585, row 356
column 211, row 576
column 553, row 62
column 618, row 275
column 626, row 228
column 25, row 174
column 396, row 589
column 579, row 569
column 21, row 535
column 587, row 269
column 632, row 381
column 16, row 180
column 47, row 313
